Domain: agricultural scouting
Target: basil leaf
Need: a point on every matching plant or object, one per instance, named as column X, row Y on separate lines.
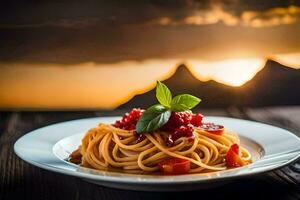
column 163, row 94
column 184, row 102
column 153, row 118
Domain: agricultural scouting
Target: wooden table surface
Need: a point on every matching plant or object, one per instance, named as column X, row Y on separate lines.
column 23, row 181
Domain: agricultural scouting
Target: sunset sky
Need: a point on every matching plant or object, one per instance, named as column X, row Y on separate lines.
column 100, row 54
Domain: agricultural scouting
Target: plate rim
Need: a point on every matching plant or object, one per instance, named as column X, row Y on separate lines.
column 149, row 180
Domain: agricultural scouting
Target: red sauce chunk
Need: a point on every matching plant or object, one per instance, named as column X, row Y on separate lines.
column 174, row 166
column 232, row 158
column 212, row 128
column 181, row 124
column 129, row 120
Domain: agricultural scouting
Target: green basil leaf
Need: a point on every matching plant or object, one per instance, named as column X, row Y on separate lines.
column 184, row 102
column 163, row 94
column 153, row 118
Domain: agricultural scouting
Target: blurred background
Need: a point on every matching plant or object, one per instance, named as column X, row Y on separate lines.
column 105, row 55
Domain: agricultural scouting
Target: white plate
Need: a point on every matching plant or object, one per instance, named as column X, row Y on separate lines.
column 47, row 148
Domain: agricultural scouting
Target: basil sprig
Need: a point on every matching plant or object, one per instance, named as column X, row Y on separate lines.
column 158, row 115
column 184, row 102
column 153, row 118
column 163, row 94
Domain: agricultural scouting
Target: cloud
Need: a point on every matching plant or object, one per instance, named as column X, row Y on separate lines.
column 211, row 16
column 217, row 13
column 61, row 23
column 271, row 17
column 162, row 12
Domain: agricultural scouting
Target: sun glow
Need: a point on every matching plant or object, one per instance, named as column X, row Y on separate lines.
column 291, row 60
column 234, row 72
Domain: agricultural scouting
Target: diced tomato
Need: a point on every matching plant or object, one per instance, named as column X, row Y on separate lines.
column 129, row 120
column 212, row 128
column 173, row 166
column 232, row 158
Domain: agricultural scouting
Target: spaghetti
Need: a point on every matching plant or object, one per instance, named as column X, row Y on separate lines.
column 107, row 147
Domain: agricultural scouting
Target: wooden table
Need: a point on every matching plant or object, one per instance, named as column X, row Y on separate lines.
column 19, row 180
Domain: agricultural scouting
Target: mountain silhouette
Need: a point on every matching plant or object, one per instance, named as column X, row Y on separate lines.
column 275, row 84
